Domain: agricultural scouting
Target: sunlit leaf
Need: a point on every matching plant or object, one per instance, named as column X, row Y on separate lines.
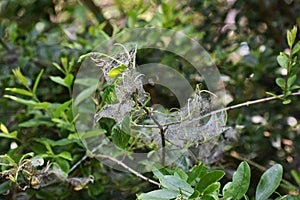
column 66, row 155
column 42, row 105
column 116, row 71
column 17, row 72
column 58, row 80
column 3, row 128
column 69, row 80
column 20, row 91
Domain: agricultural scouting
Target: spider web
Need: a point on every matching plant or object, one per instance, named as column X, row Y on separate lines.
column 186, row 128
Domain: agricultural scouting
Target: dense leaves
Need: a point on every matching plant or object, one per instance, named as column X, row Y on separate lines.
column 44, row 156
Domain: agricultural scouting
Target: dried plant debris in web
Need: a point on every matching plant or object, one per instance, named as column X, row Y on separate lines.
column 190, row 126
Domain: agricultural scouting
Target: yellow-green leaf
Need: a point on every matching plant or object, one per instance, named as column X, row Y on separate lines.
column 20, row 91
column 17, row 72
column 3, row 129
column 116, row 71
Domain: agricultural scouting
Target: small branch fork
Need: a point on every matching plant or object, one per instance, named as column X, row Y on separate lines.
column 162, row 131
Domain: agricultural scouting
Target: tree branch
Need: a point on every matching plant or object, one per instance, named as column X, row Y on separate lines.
column 248, row 103
column 127, row 168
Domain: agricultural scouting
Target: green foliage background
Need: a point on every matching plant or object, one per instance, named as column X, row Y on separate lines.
column 34, row 34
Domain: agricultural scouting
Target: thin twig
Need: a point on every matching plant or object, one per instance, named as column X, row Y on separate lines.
column 161, row 132
column 248, row 103
column 78, row 163
column 127, row 168
column 5, row 46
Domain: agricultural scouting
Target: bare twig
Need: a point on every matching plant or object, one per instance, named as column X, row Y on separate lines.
column 162, row 131
column 245, row 104
column 127, row 168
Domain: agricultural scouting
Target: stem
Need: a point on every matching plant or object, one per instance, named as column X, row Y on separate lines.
column 288, row 73
column 248, row 103
column 161, row 131
column 5, row 46
column 128, row 168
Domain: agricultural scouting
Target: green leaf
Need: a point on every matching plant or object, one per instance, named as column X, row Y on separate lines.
column 58, row 80
column 176, row 184
column 119, row 137
column 42, row 105
column 197, row 172
column 287, row 101
column 240, row 183
column 210, row 197
column 269, row 182
column 35, row 122
column 162, row 194
column 291, row 80
column 17, row 72
column 37, row 80
column 3, row 128
column 20, row 91
column 4, row 187
column 181, row 174
column 209, row 179
column 58, row 67
column 283, row 60
column 213, row 189
column 296, row 176
column 116, row 71
column 66, row 155
column 69, row 80
column 64, row 62
column 7, row 136
column 296, row 48
column 63, row 164
column 280, row 82
column 126, row 124
column 194, row 195
column 60, row 109
column 160, row 173
column 290, row 38
column 295, row 87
